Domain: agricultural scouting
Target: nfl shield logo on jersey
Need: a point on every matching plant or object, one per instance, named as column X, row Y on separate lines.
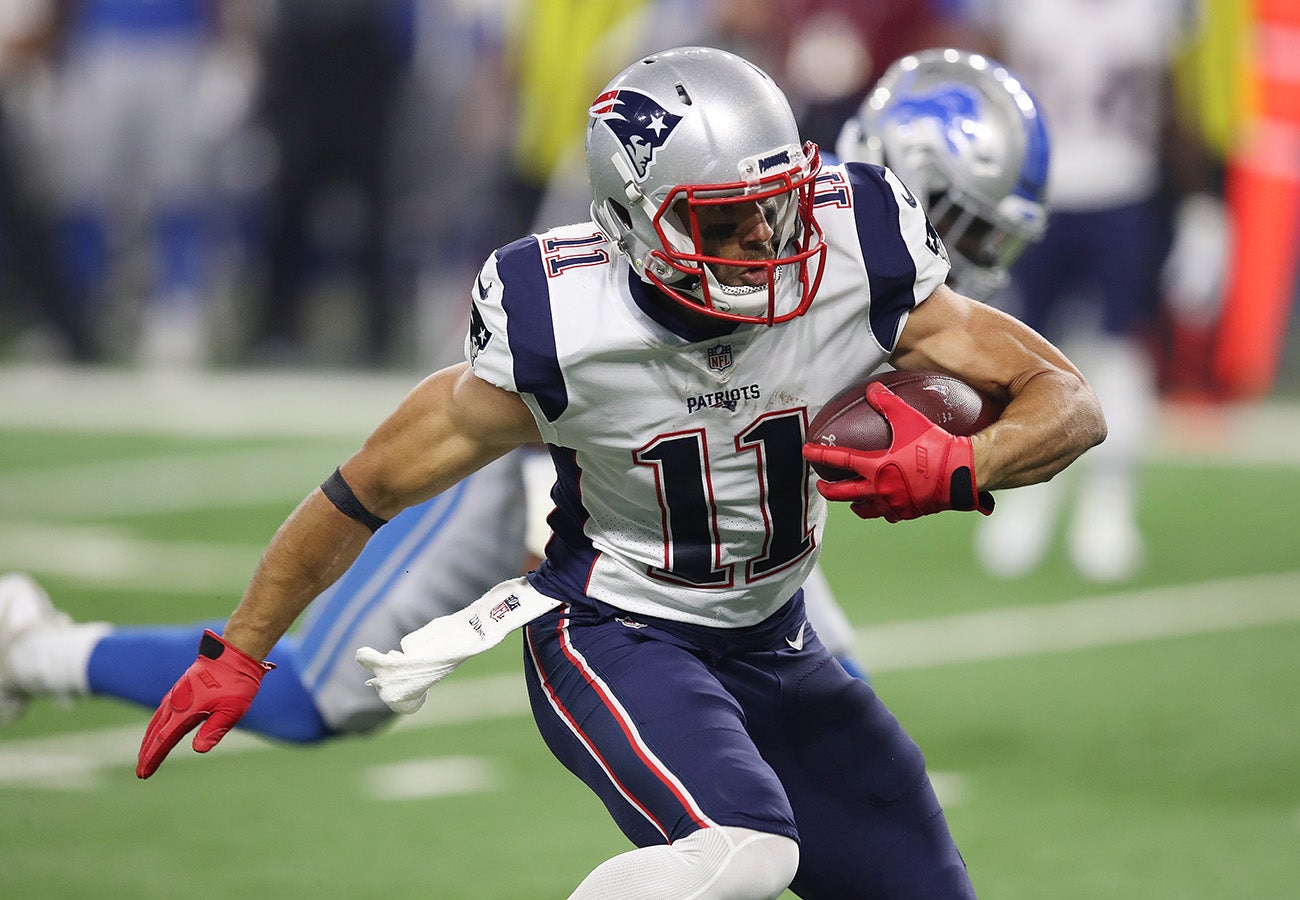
column 639, row 122
column 719, row 357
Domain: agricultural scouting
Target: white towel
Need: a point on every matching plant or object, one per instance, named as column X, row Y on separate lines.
column 428, row 654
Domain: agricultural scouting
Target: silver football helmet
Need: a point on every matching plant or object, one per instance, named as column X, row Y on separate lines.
column 696, row 133
column 964, row 134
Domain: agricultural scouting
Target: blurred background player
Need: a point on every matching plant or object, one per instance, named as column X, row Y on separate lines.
column 968, row 139
column 435, row 558
column 1209, row 86
column 133, row 148
column 1102, row 71
column 333, row 78
column 30, row 264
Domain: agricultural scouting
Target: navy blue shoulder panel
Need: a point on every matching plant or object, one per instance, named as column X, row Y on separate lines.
column 673, row 316
column 570, row 555
column 526, row 298
column 891, row 270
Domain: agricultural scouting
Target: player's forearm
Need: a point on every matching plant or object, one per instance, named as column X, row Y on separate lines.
column 311, row 550
column 1051, row 420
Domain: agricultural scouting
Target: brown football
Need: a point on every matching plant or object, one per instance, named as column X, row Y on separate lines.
column 848, row 420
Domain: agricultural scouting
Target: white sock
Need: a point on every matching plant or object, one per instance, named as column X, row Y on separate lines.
column 719, row 863
column 1120, row 372
column 55, row 660
column 1105, row 542
column 1014, row 540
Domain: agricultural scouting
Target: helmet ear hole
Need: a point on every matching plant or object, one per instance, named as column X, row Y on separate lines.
column 620, row 212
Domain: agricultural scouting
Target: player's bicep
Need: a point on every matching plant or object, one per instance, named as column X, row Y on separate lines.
column 982, row 346
column 448, row 426
column 489, row 414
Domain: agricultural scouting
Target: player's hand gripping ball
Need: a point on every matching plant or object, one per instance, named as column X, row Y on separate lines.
column 898, row 446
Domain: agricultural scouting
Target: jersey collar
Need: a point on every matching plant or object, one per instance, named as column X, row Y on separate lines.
column 673, row 316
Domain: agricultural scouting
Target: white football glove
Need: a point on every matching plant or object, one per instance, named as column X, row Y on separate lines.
column 1195, row 271
column 428, row 654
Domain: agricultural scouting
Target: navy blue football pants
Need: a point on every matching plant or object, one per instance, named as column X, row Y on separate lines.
column 679, row 727
column 1110, row 257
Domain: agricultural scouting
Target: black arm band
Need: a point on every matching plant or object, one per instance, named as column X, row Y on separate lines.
column 340, row 494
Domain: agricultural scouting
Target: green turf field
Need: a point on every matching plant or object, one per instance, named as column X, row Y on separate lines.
column 1132, row 742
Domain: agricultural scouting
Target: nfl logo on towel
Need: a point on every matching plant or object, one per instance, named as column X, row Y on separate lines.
column 719, row 357
column 502, row 609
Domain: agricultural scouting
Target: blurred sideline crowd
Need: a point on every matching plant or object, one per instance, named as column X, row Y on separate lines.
column 191, row 183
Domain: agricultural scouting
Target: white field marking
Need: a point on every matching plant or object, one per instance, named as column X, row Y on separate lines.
column 247, row 402
column 1259, row 434
column 242, row 477
column 951, row 788
column 106, row 557
column 350, row 404
column 165, row 483
column 73, row 761
column 419, row 779
column 1163, row 612
column 78, row 760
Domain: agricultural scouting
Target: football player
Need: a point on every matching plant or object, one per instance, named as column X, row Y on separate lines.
column 969, row 140
column 668, row 352
column 1093, row 282
column 429, row 560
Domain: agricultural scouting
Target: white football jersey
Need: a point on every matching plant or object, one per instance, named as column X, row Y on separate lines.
column 681, row 489
column 1098, row 69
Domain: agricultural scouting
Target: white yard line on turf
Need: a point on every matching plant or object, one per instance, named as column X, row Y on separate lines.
column 349, row 404
column 1141, row 615
column 73, row 761
column 420, row 779
column 169, row 482
column 113, row 558
column 227, row 404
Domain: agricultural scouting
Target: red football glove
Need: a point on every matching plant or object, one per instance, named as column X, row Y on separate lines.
column 218, row 686
column 925, row 470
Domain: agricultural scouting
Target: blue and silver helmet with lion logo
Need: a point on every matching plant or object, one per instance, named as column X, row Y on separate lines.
column 964, row 134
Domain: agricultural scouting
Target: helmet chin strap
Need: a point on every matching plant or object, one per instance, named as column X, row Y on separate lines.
column 720, row 292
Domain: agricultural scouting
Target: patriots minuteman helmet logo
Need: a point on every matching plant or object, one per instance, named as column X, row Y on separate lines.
column 640, row 123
